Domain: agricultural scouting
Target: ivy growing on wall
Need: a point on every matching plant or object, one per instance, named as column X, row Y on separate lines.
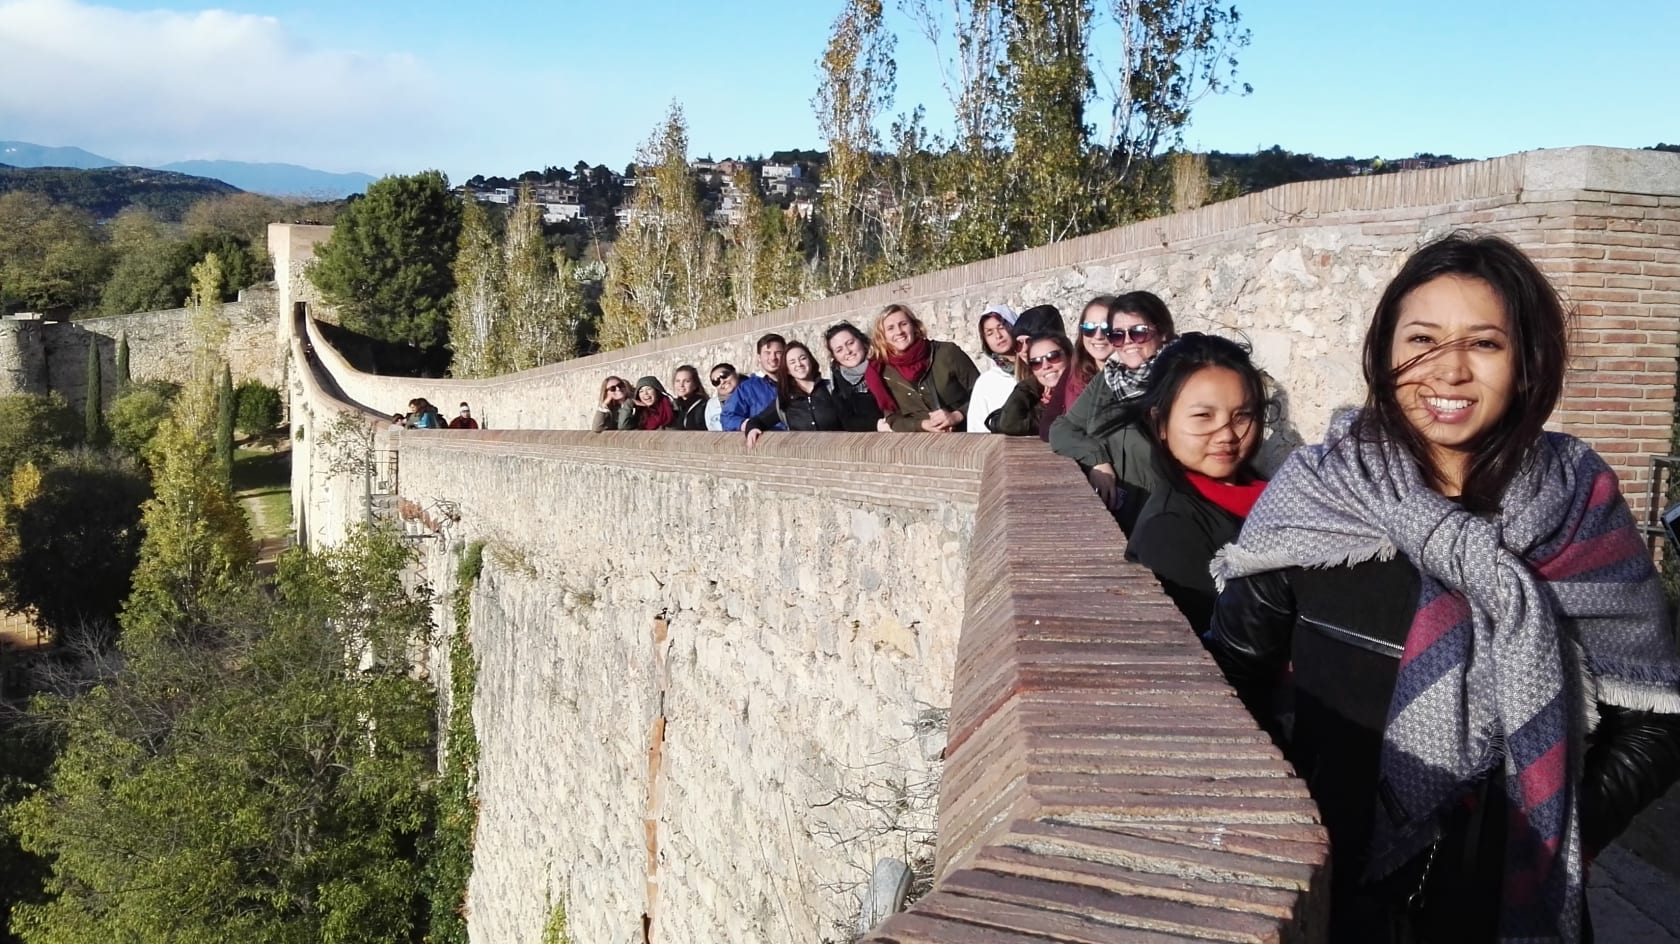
column 457, row 825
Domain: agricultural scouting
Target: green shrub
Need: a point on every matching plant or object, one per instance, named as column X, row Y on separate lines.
column 133, row 417
column 257, row 407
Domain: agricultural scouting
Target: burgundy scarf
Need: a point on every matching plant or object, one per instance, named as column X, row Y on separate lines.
column 912, row 363
column 1238, row 498
column 657, row 416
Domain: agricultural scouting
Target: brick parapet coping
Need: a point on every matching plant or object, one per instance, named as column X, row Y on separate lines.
column 1101, row 781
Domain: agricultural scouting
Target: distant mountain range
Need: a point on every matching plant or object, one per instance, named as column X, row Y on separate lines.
column 281, row 180
column 105, row 191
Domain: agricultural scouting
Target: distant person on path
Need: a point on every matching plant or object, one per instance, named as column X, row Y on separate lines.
column 1485, row 675
column 921, row 385
column 399, row 420
column 614, row 411
column 690, row 399
column 849, row 347
column 724, row 380
column 654, row 409
column 1204, row 411
column 804, row 403
column 464, row 420
column 758, row 391
column 999, row 358
column 422, row 415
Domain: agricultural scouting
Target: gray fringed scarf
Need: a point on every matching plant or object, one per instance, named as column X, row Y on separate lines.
column 1489, row 675
column 852, row 375
column 1127, row 382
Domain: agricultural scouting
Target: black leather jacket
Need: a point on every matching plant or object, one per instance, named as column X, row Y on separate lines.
column 801, row 412
column 1341, row 632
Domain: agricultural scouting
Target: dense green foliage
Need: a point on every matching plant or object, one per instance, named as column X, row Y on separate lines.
column 51, row 255
column 72, row 542
column 387, row 266
column 450, row 855
column 245, row 780
column 156, row 272
column 257, row 409
column 136, row 414
column 34, row 428
column 103, row 192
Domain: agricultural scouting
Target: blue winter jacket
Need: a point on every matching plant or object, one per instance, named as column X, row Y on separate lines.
column 751, row 396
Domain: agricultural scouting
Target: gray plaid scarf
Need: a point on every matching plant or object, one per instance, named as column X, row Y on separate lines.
column 1487, row 677
column 1127, row 382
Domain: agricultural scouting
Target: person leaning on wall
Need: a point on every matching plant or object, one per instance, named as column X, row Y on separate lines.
column 615, row 409
column 921, row 385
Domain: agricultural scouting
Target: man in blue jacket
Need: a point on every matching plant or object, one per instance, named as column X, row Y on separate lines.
column 755, row 393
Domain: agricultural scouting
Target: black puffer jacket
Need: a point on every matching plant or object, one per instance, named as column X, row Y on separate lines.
column 858, row 408
column 690, row 413
column 1342, row 631
column 801, row 412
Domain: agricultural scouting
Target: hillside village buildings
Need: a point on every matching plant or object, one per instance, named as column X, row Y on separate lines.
column 561, row 202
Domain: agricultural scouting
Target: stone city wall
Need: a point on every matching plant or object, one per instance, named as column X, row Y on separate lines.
column 1297, row 270
column 51, row 356
column 711, row 684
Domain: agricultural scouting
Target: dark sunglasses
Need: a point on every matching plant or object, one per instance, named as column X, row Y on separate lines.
column 720, row 378
column 1053, row 357
column 616, row 388
column 1092, row 328
column 1139, row 334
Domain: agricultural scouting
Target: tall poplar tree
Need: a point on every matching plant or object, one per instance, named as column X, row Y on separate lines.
column 858, row 77
column 541, row 304
column 666, row 272
column 476, row 307
column 765, row 267
column 1048, row 85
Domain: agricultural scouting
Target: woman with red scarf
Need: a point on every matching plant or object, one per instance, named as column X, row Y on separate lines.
column 921, row 385
column 654, row 409
column 1204, row 412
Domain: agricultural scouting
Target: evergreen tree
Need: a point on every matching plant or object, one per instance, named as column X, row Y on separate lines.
column 225, row 412
column 386, row 269
column 93, row 401
column 124, row 378
column 237, row 779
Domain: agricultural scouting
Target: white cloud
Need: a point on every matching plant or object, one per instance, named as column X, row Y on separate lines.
column 155, row 86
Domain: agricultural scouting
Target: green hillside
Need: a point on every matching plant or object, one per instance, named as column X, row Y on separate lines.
column 105, row 191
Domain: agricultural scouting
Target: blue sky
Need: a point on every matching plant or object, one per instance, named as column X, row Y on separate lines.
column 384, row 87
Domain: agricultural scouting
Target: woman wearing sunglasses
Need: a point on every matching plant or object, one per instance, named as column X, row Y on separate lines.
column 1097, row 431
column 1046, row 360
column 615, row 411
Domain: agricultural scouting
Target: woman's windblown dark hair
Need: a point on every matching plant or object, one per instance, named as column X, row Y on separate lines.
column 1538, row 342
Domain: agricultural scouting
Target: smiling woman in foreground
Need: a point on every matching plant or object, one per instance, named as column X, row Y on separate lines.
column 1485, row 679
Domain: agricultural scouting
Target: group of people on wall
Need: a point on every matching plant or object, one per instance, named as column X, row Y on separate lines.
column 1445, row 615
column 423, row 415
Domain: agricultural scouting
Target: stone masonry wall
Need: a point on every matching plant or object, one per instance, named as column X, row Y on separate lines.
column 1297, row 270
column 159, row 344
column 700, row 672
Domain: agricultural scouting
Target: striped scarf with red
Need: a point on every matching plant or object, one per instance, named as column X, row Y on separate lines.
column 1489, row 677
